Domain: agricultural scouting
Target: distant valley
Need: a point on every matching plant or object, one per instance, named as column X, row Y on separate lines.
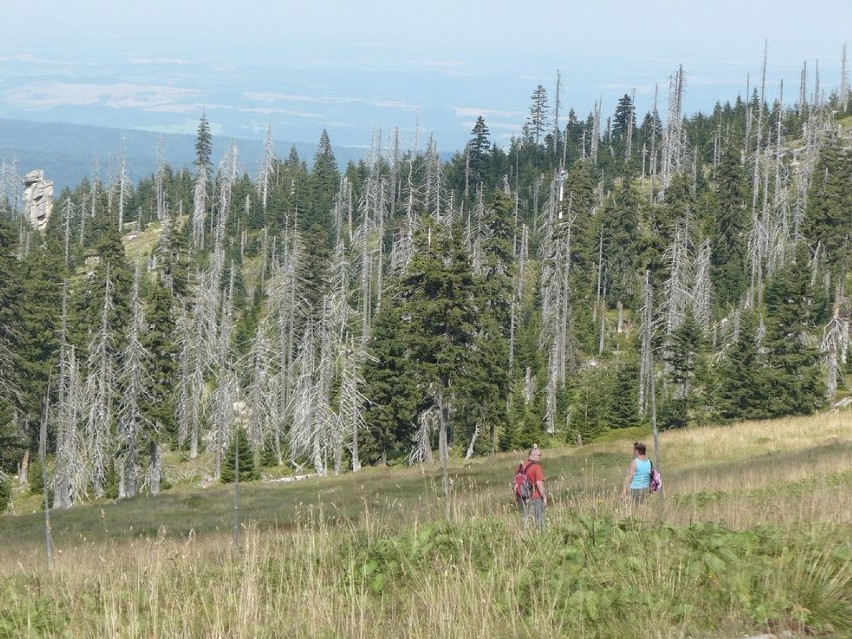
column 67, row 153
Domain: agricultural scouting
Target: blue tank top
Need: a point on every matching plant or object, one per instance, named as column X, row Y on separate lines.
column 642, row 476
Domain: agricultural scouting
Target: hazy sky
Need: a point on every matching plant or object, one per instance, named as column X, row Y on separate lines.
column 354, row 68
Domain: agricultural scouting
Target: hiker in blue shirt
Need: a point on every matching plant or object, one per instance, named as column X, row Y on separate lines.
column 638, row 477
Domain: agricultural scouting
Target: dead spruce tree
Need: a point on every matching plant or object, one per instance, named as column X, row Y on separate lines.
column 70, row 464
column 260, row 397
column 283, row 305
column 647, row 391
column 372, row 209
column 227, row 387
column 134, row 381
column 679, row 283
column 306, row 412
column 521, row 253
column 100, row 389
column 199, row 205
column 160, row 178
column 350, row 411
column 702, row 290
column 834, row 343
column 474, row 232
column 349, row 358
column 198, row 330
column 45, row 483
column 267, row 169
column 556, row 338
column 434, row 196
column 226, row 178
column 674, row 144
column 779, row 231
column 123, row 186
column 67, row 217
column 403, row 246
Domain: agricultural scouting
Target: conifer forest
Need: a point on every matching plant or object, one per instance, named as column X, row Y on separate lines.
column 600, row 271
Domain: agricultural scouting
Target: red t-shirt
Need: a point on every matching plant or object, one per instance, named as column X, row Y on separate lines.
column 535, row 474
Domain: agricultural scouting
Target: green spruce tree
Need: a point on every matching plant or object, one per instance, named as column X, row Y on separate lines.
column 239, row 447
column 743, row 379
column 792, row 307
column 391, row 389
column 728, row 261
column 828, row 222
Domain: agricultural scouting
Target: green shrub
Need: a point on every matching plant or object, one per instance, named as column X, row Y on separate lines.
column 111, row 482
column 35, row 477
column 5, row 494
column 35, row 480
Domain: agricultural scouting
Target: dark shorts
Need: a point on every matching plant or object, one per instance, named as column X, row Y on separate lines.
column 639, row 495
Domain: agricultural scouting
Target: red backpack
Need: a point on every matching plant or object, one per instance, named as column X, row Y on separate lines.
column 524, row 488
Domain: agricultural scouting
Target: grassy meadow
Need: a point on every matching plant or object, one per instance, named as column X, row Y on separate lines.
column 753, row 535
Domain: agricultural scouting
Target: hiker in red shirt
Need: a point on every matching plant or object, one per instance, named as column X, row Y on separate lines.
column 536, row 502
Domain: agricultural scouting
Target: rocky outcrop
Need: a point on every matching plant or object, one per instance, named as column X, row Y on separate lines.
column 38, row 199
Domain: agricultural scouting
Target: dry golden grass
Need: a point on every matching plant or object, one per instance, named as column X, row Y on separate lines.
column 310, row 578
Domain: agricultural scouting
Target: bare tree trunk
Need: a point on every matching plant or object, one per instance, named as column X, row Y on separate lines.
column 160, row 186
column 42, row 455
column 844, row 82
column 646, row 361
column 135, row 382
column 619, row 327
column 443, row 451
column 472, row 444
column 653, row 167
column 68, row 462
column 123, row 187
column 832, row 346
column 155, row 469
column 267, row 168
column 236, row 524
column 23, row 469
column 100, row 388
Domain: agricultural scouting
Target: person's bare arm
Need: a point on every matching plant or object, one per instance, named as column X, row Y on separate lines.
column 540, row 485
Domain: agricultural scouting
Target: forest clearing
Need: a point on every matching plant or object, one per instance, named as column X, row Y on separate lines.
column 752, row 535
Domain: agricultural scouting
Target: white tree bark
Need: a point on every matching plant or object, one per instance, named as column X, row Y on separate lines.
column 227, row 385
column 702, row 292
column 199, row 207
column 679, row 284
column 123, row 187
column 160, row 184
column 421, row 450
column 350, row 408
column 267, row 169
column 832, row 345
column 646, row 356
column 70, row 468
column 674, row 148
column 134, row 382
column 229, row 171
column 259, row 393
column 100, row 387
column 305, row 407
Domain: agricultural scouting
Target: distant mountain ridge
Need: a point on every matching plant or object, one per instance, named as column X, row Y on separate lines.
column 70, row 152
